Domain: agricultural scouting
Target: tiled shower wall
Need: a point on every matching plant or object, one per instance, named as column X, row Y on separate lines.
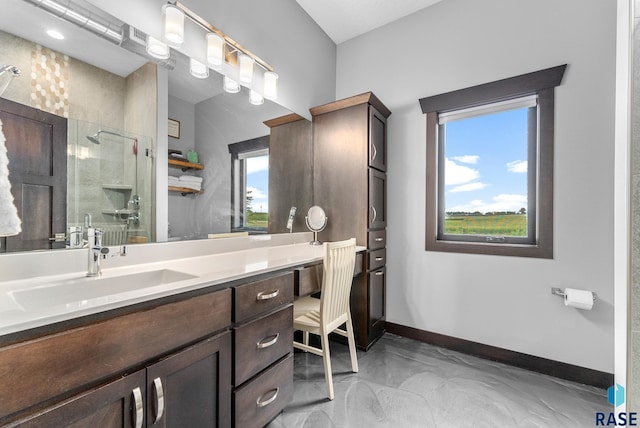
column 633, row 358
column 92, row 99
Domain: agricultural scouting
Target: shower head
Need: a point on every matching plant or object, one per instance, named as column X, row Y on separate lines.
column 11, row 71
column 93, row 138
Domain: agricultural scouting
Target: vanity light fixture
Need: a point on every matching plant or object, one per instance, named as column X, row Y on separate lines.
column 255, row 98
column 157, row 49
column 270, row 85
column 215, row 51
column 173, row 25
column 245, row 63
column 198, row 69
column 223, row 50
column 231, row 86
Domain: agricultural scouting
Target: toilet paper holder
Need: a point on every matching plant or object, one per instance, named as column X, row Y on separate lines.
column 560, row 292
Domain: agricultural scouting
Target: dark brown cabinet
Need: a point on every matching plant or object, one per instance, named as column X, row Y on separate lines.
column 349, row 179
column 290, row 177
column 191, row 388
column 263, row 349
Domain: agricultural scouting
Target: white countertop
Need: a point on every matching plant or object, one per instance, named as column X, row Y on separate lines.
column 34, row 302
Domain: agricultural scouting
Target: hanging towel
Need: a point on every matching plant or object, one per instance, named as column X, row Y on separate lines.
column 9, row 221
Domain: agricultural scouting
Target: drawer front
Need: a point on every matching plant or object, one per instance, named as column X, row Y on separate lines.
column 377, row 239
column 260, row 400
column 308, row 280
column 377, row 259
column 261, row 342
column 262, row 296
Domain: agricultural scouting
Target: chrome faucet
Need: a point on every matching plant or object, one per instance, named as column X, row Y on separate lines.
column 96, row 251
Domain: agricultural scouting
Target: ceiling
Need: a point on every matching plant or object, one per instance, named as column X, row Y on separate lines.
column 345, row 19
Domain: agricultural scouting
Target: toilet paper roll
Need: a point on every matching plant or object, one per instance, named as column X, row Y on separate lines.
column 581, row 299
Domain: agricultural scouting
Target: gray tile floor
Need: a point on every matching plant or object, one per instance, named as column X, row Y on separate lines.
column 403, row 383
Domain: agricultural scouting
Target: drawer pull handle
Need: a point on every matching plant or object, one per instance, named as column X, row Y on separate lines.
column 379, row 239
column 374, row 214
column 264, row 343
column 157, row 384
column 266, row 296
column 268, row 400
column 379, row 259
column 138, row 414
column 375, row 151
column 380, row 273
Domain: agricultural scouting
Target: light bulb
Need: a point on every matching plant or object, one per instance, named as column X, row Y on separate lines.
column 231, row 86
column 157, row 49
column 246, row 68
column 270, row 85
column 173, row 25
column 198, row 69
column 255, row 98
column 215, row 51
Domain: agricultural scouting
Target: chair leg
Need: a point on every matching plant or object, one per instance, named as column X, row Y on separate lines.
column 352, row 346
column 326, row 358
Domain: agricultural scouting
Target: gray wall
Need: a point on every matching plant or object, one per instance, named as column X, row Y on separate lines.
column 500, row 301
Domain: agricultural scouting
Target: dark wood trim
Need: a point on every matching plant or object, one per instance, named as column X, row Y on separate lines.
column 254, row 144
column 513, row 358
column 511, row 87
column 283, row 120
column 366, row 98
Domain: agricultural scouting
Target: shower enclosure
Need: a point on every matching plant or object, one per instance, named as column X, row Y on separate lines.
column 109, row 184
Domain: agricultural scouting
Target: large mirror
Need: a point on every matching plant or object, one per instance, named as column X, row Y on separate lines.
column 109, row 97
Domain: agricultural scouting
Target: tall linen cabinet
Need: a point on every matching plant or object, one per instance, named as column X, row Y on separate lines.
column 349, row 173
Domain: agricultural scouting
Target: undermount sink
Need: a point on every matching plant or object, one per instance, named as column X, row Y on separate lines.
column 77, row 292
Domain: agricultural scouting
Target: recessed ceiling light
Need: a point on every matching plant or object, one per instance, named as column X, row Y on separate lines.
column 55, row 34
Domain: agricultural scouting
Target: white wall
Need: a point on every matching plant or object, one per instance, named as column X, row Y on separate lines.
column 500, row 301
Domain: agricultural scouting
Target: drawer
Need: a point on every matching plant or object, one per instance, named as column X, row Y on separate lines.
column 260, row 400
column 262, row 296
column 377, row 239
column 377, row 259
column 308, row 280
column 261, row 342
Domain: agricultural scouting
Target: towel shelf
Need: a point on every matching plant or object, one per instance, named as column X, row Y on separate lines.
column 184, row 166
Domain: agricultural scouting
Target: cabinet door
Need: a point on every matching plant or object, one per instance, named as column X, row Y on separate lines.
column 376, row 302
column 377, row 199
column 193, row 387
column 115, row 405
column 377, row 140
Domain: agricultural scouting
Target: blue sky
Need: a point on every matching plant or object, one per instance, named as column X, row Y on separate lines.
column 485, row 165
column 258, row 182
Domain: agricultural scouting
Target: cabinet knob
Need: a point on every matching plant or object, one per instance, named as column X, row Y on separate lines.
column 269, row 400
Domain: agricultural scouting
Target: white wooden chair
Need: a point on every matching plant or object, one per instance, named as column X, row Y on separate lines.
column 325, row 315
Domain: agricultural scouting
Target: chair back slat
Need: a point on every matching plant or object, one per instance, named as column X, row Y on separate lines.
column 339, row 262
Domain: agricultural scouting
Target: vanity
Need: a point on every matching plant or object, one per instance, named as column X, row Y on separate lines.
column 204, row 339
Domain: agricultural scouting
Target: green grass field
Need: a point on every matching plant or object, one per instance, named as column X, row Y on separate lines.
column 257, row 220
column 500, row 225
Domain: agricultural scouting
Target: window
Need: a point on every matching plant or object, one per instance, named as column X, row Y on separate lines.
column 250, row 184
column 490, row 167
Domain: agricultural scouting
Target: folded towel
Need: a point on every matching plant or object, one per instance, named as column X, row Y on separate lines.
column 173, row 181
column 191, row 178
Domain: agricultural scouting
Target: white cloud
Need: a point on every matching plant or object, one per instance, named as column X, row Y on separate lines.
column 502, row 202
column 470, row 159
column 256, row 193
column 517, row 166
column 458, row 174
column 257, row 164
column 468, row 187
